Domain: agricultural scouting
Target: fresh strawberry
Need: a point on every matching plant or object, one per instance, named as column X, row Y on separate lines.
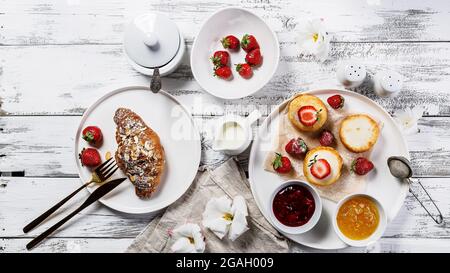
column 90, row 157
column 281, row 164
column 223, row 72
column 230, row 42
column 296, row 147
column 245, row 70
column 319, row 168
column 92, row 134
column 326, row 138
column 308, row 115
column 248, row 43
column 336, row 101
column 361, row 166
column 220, row 58
column 254, row 57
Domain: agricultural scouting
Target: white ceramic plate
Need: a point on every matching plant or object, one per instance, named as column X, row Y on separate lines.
column 237, row 22
column 178, row 135
column 380, row 183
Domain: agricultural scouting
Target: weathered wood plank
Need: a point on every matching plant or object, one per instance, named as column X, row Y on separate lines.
column 77, row 75
column 67, row 245
column 111, row 245
column 22, row 199
column 392, row 245
column 39, row 145
column 100, row 22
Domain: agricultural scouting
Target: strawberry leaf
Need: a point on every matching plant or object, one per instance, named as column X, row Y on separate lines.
column 245, row 41
column 303, row 145
column 277, row 161
column 89, row 137
column 216, row 61
column 312, row 161
column 353, row 166
column 225, row 43
column 342, row 102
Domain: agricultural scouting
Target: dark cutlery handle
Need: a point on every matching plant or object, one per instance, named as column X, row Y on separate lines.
column 49, row 231
column 46, row 214
column 95, row 195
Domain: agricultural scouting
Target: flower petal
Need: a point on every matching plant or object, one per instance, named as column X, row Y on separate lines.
column 418, row 111
column 213, row 216
column 189, row 239
column 219, row 226
column 407, row 120
column 186, row 230
column 183, row 245
column 313, row 38
column 199, row 242
column 239, row 224
column 217, row 208
column 239, row 205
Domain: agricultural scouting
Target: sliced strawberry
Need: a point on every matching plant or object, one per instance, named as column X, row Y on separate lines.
column 336, row 101
column 320, row 169
column 308, row 115
column 281, row 164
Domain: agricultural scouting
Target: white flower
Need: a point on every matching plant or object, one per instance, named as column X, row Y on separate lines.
column 407, row 119
column 189, row 239
column 220, row 217
column 314, row 39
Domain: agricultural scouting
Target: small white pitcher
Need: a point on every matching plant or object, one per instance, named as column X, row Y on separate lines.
column 233, row 133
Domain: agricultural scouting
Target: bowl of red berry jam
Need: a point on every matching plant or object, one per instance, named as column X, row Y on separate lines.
column 295, row 207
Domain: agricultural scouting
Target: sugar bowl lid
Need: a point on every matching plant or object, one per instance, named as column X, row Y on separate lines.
column 152, row 40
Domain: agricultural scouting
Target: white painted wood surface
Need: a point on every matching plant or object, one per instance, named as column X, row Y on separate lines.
column 57, row 57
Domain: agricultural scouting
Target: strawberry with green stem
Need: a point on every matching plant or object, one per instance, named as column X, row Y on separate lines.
column 245, row 70
column 296, row 147
column 220, row 58
column 230, row 42
column 281, row 164
column 249, row 43
column 92, row 134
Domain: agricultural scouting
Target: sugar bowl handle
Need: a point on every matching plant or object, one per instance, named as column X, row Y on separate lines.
column 155, row 83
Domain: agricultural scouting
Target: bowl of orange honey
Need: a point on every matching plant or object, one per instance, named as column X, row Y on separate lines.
column 359, row 220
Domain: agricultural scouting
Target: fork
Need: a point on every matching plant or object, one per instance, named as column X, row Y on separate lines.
column 100, row 175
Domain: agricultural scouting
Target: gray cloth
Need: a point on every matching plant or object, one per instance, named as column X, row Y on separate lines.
column 228, row 179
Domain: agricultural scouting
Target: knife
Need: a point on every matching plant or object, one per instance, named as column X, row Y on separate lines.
column 97, row 194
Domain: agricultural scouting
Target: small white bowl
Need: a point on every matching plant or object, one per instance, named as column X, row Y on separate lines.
column 311, row 223
column 372, row 238
column 233, row 21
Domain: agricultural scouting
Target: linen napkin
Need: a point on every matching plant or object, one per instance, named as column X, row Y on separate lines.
column 228, row 179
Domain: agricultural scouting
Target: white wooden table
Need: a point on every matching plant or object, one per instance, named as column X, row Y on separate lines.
column 55, row 57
